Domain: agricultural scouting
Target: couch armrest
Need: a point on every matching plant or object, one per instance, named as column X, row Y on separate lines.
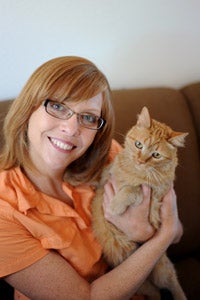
column 192, row 95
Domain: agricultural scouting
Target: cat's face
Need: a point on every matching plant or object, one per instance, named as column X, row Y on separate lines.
column 152, row 147
column 150, row 150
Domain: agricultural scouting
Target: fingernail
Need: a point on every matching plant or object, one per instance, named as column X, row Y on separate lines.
column 145, row 189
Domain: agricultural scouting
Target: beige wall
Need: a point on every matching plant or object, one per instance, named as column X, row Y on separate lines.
column 136, row 43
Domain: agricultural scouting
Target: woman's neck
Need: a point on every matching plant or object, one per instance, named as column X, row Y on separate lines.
column 49, row 184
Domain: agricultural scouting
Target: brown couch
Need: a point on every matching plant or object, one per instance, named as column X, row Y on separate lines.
column 181, row 110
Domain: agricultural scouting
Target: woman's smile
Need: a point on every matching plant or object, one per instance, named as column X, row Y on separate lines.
column 61, row 145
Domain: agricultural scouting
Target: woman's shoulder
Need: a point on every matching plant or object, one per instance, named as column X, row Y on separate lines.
column 12, row 181
column 11, row 177
column 114, row 150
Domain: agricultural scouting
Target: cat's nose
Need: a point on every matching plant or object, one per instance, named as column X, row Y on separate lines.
column 141, row 161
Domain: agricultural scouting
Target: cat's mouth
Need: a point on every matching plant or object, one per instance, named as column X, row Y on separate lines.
column 140, row 165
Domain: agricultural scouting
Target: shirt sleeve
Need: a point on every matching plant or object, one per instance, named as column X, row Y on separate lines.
column 18, row 248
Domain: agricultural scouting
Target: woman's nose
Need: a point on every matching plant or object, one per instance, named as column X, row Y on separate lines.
column 71, row 126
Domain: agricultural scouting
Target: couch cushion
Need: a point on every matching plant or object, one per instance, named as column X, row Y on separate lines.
column 188, row 271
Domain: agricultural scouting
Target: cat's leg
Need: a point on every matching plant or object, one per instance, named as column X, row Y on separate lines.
column 156, row 201
column 149, row 290
column 126, row 196
column 154, row 216
column 115, row 244
column 118, row 247
column 164, row 276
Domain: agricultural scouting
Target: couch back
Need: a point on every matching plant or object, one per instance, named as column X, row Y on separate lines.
column 171, row 107
column 4, row 106
column 175, row 109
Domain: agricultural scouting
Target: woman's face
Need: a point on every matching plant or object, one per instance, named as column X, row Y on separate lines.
column 55, row 143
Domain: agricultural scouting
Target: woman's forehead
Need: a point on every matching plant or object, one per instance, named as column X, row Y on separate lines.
column 94, row 102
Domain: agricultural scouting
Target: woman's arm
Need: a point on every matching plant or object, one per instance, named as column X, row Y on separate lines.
column 53, row 278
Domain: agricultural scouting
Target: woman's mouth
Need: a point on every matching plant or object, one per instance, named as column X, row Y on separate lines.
column 61, row 145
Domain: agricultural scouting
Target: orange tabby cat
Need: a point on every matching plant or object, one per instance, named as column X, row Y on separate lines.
column 149, row 157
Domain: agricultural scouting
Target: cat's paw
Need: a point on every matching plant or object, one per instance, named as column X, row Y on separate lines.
column 137, row 198
column 117, row 208
column 125, row 197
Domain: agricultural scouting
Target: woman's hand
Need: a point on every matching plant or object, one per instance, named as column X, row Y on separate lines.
column 170, row 223
column 134, row 222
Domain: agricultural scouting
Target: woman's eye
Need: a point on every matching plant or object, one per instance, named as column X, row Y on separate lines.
column 57, row 106
column 89, row 119
column 138, row 145
column 156, row 155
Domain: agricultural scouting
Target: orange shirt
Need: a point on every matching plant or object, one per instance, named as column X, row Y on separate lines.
column 32, row 223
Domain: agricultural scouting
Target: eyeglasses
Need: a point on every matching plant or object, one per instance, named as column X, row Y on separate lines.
column 62, row 111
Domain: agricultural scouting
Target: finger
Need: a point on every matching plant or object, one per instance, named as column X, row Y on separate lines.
column 109, row 190
column 105, row 203
column 169, row 205
column 170, row 197
column 114, row 184
column 179, row 233
column 107, row 213
column 146, row 190
column 108, row 196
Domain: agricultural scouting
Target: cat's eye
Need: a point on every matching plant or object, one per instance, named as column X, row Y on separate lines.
column 138, row 145
column 156, row 155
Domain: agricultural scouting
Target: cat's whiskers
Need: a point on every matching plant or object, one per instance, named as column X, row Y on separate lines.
column 117, row 133
column 155, row 175
column 125, row 163
column 148, row 180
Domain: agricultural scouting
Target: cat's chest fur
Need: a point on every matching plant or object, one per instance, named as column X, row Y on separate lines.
column 129, row 177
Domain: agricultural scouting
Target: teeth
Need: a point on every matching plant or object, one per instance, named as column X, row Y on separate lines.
column 61, row 145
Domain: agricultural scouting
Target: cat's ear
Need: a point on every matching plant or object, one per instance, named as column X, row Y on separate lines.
column 177, row 138
column 144, row 119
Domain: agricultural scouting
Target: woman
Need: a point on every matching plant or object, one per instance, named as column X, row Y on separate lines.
column 58, row 137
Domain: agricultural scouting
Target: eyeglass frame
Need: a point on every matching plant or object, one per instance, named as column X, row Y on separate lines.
column 72, row 112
